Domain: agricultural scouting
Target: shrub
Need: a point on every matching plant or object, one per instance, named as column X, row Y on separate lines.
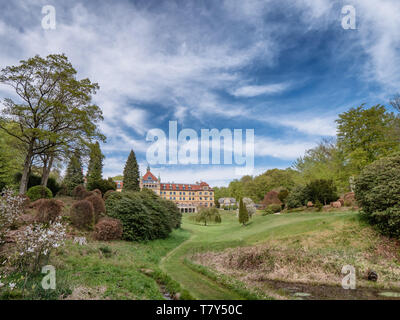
column 35, row 180
column 98, row 192
column 297, row 197
column 103, row 185
column 318, row 205
column 107, row 194
column 135, row 217
column 267, row 211
column 98, row 206
column 322, row 190
column 78, row 191
column 144, row 215
column 271, row 198
column 243, row 214
column 39, row 192
column 274, row 208
column 205, row 215
column 108, row 229
column 82, row 214
column 282, row 195
column 49, row 210
column 251, row 208
column 34, row 244
column 11, row 207
column 377, row 191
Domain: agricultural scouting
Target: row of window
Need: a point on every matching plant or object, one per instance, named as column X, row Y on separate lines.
column 184, row 198
column 183, row 193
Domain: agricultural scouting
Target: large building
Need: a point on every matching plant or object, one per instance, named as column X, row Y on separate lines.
column 188, row 197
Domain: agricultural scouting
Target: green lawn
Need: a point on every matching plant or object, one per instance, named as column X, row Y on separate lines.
column 304, row 241
column 113, row 270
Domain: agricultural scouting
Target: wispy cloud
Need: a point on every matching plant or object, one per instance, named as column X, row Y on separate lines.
column 253, row 91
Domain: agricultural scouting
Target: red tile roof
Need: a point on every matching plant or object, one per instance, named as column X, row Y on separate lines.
column 149, row 174
column 179, row 186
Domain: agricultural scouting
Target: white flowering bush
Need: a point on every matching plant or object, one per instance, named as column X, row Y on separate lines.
column 250, row 206
column 11, row 207
column 34, row 244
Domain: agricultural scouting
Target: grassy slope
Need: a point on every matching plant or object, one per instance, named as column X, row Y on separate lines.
column 117, row 275
column 294, row 226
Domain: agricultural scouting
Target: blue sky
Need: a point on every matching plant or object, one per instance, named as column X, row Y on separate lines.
column 283, row 68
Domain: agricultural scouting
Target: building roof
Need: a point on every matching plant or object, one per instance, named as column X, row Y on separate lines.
column 149, row 175
column 185, row 186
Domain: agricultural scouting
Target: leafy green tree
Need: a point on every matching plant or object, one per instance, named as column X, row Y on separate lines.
column 321, row 190
column 95, row 168
column 131, row 174
column 325, row 161
column 243, row 214
column 74, row 174
column 54, row 113
column 208, row 215
column 365, row 135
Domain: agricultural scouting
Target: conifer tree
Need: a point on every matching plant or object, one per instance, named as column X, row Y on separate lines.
column 131, row 174
column 95, row 168
column 74, row 174
column 243, row 214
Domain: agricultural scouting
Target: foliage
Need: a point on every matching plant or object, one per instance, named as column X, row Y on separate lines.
column 251, row 208
column 267, row 210
column 144, row 215
column 34, row 244
column 99, row 208
column 318, row 205
column 377, row 191
column 131, row 174
column 11, row 207
column 82, row 215
column 207, row 215
column 107, row 194
column 74, row 174
column 78, row 192
column 35, row 180
column 108, row 229
column 95, row 168
column 243, row 214
column 321, row 190
column 103, row 185
column 365, row 135
column 39, row 192
column 271, row 197
column 297, row 197
column 256, row 187
column 56, row 113
column 49, row 210
column 274, row 208
column 282, row 195
column 327, row 162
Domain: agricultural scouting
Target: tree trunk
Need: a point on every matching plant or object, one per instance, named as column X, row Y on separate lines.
column 47, row 164
column 25, row 174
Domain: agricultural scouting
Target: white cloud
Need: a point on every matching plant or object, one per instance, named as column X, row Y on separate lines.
column 252, row 91
column 281, row 149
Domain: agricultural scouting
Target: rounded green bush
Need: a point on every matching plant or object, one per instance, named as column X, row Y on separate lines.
column 144, row 215
column 377, row 190
column 275, row 208
column 39, row 192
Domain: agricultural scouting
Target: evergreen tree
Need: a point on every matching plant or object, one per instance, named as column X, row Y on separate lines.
column 94, row 174
column 243, row 214
column 74, row 174
column 131, row 174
